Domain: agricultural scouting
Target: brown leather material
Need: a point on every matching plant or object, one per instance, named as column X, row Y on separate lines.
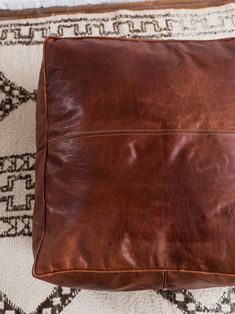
column 135, row 185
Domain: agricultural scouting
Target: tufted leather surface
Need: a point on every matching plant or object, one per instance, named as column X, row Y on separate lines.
column 135, row 184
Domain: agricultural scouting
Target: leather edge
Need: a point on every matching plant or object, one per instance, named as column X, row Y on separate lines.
column 139, row 280
column 42, row 275
column 54, row 38
column 34, row 272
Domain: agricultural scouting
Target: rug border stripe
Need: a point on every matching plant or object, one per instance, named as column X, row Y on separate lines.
column 100, row 8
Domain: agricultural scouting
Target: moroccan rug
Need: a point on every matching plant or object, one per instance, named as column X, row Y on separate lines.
column 20, row 58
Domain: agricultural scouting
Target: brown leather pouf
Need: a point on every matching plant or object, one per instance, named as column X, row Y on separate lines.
column 135, row 166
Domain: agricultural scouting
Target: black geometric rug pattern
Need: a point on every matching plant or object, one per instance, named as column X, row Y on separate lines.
column 186, row 302
column 12, row 96
column 17, row 168
column 53, row 304
column 217, row 22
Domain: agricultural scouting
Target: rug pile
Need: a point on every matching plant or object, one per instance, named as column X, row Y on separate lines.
column 20, row 58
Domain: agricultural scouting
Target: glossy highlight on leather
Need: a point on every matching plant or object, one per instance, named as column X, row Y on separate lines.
column 135, row 184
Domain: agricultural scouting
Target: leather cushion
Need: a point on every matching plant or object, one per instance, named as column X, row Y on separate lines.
column 135, row 164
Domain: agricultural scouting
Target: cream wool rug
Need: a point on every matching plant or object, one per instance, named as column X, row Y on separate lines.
column 23, row 4
column 20, row 58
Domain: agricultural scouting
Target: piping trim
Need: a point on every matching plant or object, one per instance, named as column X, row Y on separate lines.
column 101, row 271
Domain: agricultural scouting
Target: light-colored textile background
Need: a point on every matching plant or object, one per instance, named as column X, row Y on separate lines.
column 23, row 4
column 20, row 58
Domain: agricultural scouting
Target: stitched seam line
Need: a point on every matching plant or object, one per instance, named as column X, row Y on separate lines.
column 139, row 39
column 135, row 132
column 133, row 271
column 165, row 279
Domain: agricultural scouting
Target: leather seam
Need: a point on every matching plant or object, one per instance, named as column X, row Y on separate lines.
column 139, row 39
column 45, row 158
column 160, row 133
column 135, row 270
column 165, row 279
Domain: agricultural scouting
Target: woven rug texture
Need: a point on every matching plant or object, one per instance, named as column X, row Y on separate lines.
column 20, row 59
